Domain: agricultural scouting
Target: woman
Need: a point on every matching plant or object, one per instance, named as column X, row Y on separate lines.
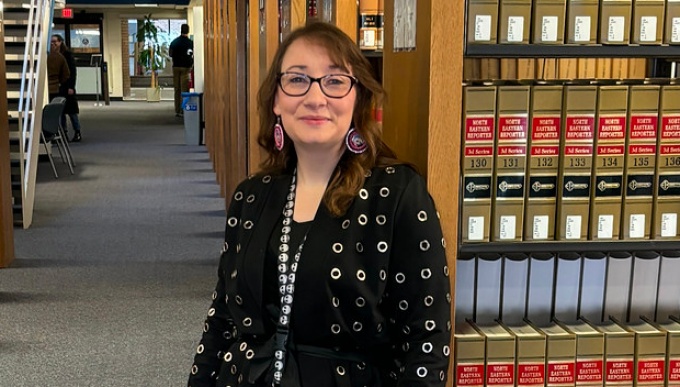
column 333, row 270
column 68, row 89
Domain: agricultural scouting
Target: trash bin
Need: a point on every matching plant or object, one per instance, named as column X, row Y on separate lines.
column 193, row 120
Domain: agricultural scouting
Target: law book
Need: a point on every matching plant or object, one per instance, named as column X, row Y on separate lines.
column 582, row 21
column 514, row 21
column 469, row 354
column 548, row 18
column 488, row 296
column 648, row 19
column 666, row 208
column 529, row 355
column 499, row 367
column 573, row 200
column 567, row 286
column 591, row 297
column 650, row 354
column 668, row 302
column 607, row 180
column 540, row 292
column 617, row 285
column 619, row 349
column 589, row 352
column 380, row 26
column 615, row 18
column 560, row 353
column 465, row 287
column 368, row 24
column 482, row 21
column 507, row 204
column 640, row 164
column 672, row 24
column 672, row 330
column 543, row 164
column 477, row 164
column 644, row 285
column 514, row 292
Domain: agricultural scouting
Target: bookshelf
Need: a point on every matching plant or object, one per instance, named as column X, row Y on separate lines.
column 661, row 252
column 569, row 51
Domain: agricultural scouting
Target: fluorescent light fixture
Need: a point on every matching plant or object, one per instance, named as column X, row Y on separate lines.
column 146, row 5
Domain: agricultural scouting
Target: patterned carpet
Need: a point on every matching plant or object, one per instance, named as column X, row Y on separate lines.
column 112, row 280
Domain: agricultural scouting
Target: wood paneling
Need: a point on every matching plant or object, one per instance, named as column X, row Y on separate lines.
column 422, row 116
column 6, row 217
column 346, row 17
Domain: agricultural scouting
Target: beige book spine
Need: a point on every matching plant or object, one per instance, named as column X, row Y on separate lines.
column 640, row 165
column 477, row 164
column 666, row 208
column 514, row 21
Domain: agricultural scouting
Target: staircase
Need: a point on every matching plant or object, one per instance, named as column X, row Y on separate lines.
column 26, row 25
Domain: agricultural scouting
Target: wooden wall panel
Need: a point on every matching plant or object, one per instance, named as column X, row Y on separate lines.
column 6, row 213
column 346, row 17
column 298, row 13
column 421, row 117
column 253, row 46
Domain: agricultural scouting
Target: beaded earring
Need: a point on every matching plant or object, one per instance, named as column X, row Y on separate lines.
column 354, row 142
column 278, row 134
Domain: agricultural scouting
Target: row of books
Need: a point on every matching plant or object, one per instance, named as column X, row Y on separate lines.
column 576, row 353
column 544, row 286
column 572, row 162
column 573, row 21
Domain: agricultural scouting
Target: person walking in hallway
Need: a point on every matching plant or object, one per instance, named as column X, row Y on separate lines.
column 182, row 54
column 57, row 72
column 68, row 89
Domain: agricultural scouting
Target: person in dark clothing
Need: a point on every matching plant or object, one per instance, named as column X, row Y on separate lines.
column 333, row 270
column 57, row 73
column 68, row 89
column 182, row 53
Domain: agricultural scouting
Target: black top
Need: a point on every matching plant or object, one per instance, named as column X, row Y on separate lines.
column 182, row 52
column 271, row 297
column 372, row 294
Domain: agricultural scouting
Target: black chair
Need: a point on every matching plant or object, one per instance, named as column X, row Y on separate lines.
column 53, row 132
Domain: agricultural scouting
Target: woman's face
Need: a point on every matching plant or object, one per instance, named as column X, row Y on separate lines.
column 55, row 43
column 314, row 121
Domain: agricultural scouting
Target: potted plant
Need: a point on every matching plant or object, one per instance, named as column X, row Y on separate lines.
column 150, row 55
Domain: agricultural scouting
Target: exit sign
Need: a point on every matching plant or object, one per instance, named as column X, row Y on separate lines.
column 67, row 13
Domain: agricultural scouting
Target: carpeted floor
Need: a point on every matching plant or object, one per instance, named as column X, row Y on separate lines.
column 113, row 279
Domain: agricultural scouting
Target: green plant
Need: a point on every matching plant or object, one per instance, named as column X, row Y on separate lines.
column 149, row 49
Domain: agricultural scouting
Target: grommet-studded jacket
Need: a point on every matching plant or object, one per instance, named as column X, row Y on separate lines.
column 372, row 298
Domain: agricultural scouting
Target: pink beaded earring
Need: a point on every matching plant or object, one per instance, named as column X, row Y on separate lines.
column 278, row 134
column 354, row 142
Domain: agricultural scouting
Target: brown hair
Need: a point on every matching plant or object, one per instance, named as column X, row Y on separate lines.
column 351, row 170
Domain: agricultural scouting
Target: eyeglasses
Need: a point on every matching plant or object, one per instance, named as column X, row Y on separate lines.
column 54, row 41
column 332, row 85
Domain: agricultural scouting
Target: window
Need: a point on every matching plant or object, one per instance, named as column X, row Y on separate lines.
column 168, row 29
column 85, row 38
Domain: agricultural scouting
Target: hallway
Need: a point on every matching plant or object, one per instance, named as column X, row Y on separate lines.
column 112, row 281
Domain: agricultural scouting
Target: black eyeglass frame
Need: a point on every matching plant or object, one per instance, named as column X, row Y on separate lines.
column 353, row 81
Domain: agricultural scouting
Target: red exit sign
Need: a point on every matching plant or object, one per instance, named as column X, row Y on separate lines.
column 67, row 13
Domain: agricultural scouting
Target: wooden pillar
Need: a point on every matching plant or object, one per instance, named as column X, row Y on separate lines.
column 346, row 16
column 6, row 215
column 422, row 115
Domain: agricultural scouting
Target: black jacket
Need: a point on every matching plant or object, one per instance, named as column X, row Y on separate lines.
column 372, row 297
column 182, row 52
column 71, row 106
